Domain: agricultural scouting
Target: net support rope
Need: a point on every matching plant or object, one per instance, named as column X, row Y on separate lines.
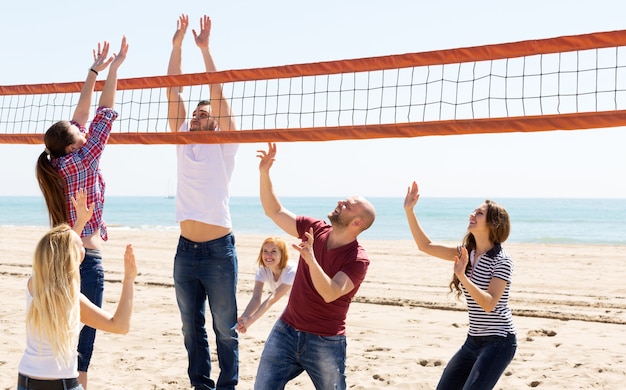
column 565, row 83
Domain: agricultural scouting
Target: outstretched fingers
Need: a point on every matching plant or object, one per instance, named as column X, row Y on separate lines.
column 121, row 55
column 101, row 57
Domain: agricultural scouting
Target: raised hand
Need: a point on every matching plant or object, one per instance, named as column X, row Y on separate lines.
column 130, row 266
column 267, row 157
column 202, row 38
column 100, row 60
column 305, row 247
column 83, row 212
column 412, row 196
column 121, row 55
column 181, row 29
column 460, row 262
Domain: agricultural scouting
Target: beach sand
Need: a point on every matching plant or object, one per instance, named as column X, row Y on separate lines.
column 569, row 305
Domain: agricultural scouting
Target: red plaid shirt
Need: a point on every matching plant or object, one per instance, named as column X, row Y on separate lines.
column 81, row 169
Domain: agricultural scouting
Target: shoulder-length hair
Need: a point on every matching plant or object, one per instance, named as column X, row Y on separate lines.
column 281, row 245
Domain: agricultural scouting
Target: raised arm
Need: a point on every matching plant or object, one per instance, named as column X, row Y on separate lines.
column 422, row 240
column 107, row 98
column 282, row 217
column 97, row 318
column 219, row 105
column 176, row 111
column 100, row 63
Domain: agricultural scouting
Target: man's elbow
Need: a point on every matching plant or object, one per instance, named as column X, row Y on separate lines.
column 331, row 296
column 272, row 213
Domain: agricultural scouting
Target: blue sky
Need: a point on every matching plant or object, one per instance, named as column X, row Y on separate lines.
column 52, row 42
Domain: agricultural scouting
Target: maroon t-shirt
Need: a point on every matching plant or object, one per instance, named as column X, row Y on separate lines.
column 306, row 310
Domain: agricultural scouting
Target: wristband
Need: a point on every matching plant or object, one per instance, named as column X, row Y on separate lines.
column 93, row 70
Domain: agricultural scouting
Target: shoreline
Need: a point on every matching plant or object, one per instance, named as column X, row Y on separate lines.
column 403, row 326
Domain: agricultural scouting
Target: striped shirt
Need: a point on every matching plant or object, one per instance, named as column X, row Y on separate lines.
column 499, row 322
column 81, row 169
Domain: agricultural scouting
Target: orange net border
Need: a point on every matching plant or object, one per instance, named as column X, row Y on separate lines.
column 590, row 120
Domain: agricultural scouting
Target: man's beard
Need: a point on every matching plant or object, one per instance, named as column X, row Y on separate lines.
column 337, row 220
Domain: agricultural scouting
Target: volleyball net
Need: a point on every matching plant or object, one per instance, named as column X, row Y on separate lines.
column 564, row 83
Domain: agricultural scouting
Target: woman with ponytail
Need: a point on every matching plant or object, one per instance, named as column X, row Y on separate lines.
column 71, row 160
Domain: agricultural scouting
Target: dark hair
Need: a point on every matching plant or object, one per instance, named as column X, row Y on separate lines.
column 52, row 185
column 499, row 228
column 203, row 103
column 57, row 138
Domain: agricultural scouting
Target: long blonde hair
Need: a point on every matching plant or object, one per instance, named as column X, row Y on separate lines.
column 55, row 287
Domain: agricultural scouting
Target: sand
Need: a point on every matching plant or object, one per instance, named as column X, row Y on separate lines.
column 569, row 305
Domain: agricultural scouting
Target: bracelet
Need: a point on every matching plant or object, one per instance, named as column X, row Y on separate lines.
column 93, row 70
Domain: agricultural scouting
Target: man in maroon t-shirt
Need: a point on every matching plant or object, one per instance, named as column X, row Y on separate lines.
column 310, row 334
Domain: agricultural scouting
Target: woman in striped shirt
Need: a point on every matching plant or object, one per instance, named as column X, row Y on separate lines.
column 482, row 273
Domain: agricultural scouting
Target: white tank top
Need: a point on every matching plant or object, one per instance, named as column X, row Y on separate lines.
column 38, row 360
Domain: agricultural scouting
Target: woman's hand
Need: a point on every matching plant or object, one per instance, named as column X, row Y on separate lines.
column 412, row 196
column 460, row 263
column 83, row 212
column 100, row 60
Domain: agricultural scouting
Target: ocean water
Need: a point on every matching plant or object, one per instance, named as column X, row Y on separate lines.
column 575, row 221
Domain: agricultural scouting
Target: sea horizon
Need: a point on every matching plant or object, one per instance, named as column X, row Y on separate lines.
column 533, row 220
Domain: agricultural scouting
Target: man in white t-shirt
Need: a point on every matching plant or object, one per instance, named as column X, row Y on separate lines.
column 205, row 265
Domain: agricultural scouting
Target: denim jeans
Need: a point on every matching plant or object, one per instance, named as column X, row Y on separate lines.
column 201, row 271
column 288, row 352
column 92, row 286
column 479, row 363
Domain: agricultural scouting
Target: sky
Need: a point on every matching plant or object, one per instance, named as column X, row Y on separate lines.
column 45, row 42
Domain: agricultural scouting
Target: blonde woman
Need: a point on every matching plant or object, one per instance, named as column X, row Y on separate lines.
column 275, row 270
column 56, row 309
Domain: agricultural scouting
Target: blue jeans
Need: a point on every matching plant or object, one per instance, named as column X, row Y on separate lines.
column 288, row 352
column 92, row 286
column 201, row 271
column 479, row 363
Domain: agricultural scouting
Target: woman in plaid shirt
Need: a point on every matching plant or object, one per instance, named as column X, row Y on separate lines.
column 71, row 161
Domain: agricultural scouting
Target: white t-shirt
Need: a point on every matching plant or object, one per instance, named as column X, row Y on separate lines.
column 38, row 359
column 203, row 189
column 265, row 275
